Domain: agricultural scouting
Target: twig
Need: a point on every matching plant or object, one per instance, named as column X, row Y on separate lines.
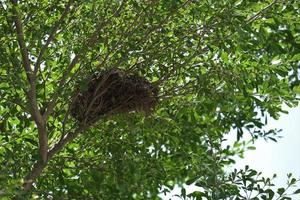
column 254, row 17
column 52, row 35
column 90, row 42
column 39, row 166
column 146, row 35
column 258, row 14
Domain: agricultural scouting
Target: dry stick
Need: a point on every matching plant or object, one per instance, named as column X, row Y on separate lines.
column 110, row 112
column 96, row 96
column 52, row 35
column 31, row 94
column 39, row 166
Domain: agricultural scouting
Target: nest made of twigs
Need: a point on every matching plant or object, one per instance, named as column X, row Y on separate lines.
column 112, row 92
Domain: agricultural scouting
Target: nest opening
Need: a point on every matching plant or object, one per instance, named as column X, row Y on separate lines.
column 113, row 92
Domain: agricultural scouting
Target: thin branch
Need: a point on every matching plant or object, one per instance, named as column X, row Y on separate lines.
column 15, row 102
column 254, row 17
column 62, row 81
column 90, row 42
column 145, row 36
column 164, row 21
column 32, row 176
column 39, row 166
column 52, row 35
column 258, row 14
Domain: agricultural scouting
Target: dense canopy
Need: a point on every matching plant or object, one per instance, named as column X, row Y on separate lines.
column 216, row 66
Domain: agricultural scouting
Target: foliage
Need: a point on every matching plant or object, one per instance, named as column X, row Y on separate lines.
column 246, row 184
column 219, row 65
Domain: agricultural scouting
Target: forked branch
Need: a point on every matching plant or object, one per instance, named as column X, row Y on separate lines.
column 42, row 119
column 31, row 93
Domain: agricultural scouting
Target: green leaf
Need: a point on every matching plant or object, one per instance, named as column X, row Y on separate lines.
column 271, row 193
column 297, row 191
column 183, row 193
column 280, row 191
column 251, row 148
column 207, row 68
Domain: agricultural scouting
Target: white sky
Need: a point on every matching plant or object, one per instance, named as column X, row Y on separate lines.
column 269, row 157
column 282, row 157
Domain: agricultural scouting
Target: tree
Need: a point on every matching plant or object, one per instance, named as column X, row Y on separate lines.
column 217, row 66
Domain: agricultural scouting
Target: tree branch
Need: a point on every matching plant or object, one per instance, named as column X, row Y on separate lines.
column 62, row 81
column 31, row 94
column 90, row 42
column 40, row 166
column 52, row 35
column 259, row 13
column 142, row 39
column 32, row 176
column 21, row 42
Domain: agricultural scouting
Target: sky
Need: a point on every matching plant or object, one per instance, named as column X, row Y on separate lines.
column 270, row 157
column 282, row 157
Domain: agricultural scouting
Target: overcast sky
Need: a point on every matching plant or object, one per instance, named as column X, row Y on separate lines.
column 282, row 157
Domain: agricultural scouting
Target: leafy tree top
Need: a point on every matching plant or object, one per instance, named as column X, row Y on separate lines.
column 218, row 66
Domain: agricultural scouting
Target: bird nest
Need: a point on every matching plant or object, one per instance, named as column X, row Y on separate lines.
column 112, row 92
